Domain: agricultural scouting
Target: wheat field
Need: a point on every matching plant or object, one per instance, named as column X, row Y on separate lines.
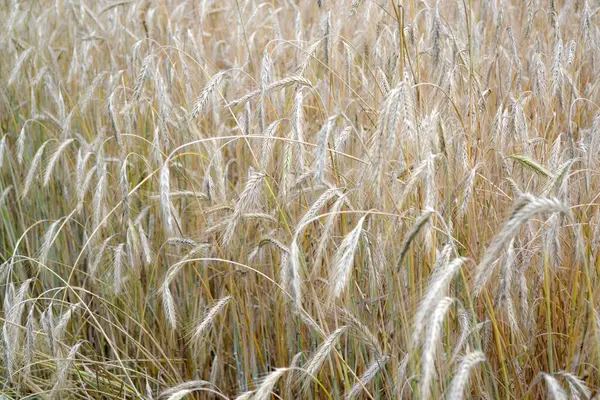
column 300, row 199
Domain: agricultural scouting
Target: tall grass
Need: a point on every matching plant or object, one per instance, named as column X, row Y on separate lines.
column 299, row 199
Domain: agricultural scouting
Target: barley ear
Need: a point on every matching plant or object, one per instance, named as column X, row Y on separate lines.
column 461, row 379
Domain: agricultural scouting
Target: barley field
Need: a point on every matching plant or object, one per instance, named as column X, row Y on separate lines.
column 300, row 199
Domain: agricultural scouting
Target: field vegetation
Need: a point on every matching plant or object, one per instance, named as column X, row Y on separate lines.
column 283, row 199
